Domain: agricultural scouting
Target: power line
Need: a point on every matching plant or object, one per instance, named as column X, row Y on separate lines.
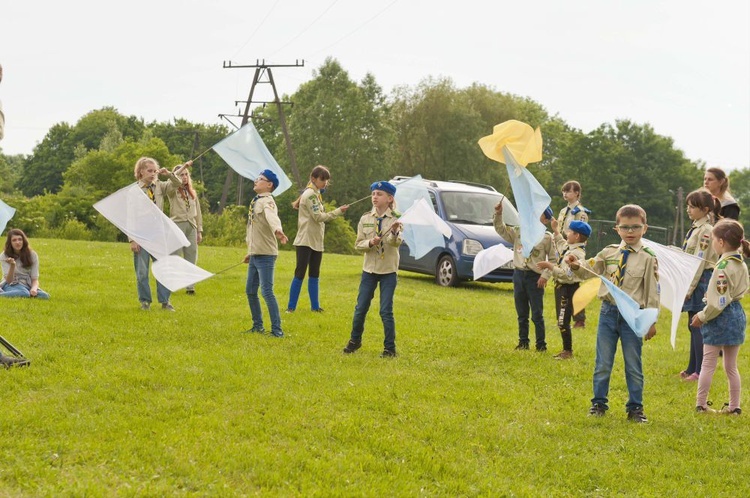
column 355, row 29
column 306, row 29
column 258, row 28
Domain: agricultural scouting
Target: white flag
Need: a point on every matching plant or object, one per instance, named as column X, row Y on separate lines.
column 489, row 259
column 423, row 229
column 130, row 210
column 6, row 213
column 676, row 272
column 176, row 273
column 245, row 152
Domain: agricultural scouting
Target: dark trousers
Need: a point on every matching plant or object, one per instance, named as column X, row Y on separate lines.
column 564, row 308
column 367, row 287
column 528, row 295
column 696, row 346
column 306, row 256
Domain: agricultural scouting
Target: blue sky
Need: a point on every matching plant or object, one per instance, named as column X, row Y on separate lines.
column 681, row 66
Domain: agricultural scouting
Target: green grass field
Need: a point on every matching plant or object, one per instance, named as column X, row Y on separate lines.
column 120, row 402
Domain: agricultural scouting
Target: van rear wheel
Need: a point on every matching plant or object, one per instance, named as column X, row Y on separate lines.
column 446, row 274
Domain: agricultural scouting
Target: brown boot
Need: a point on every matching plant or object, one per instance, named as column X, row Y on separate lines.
column 564, row 355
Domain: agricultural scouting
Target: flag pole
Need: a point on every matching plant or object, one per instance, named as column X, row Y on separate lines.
column 230, row 267
column 360, row 200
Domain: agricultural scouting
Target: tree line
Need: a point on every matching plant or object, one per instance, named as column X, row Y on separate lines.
column 362, row 135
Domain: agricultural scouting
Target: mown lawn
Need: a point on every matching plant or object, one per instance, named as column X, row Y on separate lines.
column 120, row 402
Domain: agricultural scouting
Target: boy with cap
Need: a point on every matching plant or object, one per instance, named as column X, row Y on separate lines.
column 263, row 228
column 566, row 282
column 528, row 281
column 378, row 237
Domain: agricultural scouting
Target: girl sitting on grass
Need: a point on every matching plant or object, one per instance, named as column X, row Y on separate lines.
column 20, row 268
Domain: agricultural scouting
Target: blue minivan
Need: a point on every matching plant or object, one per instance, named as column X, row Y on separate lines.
column 468, row 209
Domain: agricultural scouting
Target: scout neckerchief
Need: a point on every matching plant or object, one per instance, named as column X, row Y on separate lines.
column 185, row 194
column 378, row 231
column 562, row 255
column 150, row 192
column 251, row 211
column 734, row 257
column 624, row 253
column 687, row 236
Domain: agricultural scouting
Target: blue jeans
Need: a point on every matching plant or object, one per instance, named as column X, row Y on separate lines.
column 141, row 260
column 20, row 290
column 260, row 274
column 611, row 328
column 367, row 287
column 526, row 294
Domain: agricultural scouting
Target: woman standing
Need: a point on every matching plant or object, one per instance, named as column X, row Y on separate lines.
column 185, row 211
column 717, row 182
column 20, row 268
column 309, row 240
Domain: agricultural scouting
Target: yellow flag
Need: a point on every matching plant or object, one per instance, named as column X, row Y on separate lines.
column 585, row 293
column 522, row 141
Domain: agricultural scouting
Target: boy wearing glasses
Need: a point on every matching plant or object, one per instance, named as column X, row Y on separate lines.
column 633, row 267
column 263, row 228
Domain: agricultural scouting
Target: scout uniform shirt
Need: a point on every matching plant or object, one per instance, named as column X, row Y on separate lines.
column 157, row 190
column 729, row 282
column 698, row 243
column 311, row 221
column 640, row 277
column 262, row 224
column 574, row 211
column 182, row 207
column 562, row 273
column 384, row 257
column 543, row 251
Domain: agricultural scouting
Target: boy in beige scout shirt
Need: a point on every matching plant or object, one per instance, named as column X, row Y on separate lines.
column 378, row 237
column 263, row 228
column 566, row 282
column 723, row 320
column 633, row 267
column 528, row 280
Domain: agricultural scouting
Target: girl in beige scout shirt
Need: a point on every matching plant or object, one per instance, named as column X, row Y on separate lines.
column 309, row 240
column 263, row 228
column 702, row 207
column 146, row 173
column 378, row 237
column 723, row 320
column 185, row 211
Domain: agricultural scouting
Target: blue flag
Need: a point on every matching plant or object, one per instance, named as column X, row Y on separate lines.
column 531, row 201
column 640, row 320
column 423, row 229
column 6, row 213
column 245, row 152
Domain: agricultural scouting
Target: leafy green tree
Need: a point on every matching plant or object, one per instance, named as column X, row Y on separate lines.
column 338, row 123
column 10, row 171
column 186, row 140
column 44, row 168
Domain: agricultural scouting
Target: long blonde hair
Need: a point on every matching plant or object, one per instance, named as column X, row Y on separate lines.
column 190, row 188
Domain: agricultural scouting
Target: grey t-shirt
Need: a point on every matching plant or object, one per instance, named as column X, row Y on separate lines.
column 22, row 275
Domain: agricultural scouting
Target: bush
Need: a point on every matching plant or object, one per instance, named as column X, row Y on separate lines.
column 225, row 229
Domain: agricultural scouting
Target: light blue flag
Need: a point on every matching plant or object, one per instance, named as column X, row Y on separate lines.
column 6, row 213
column 245, row 152
column 531, row 201
column 640, row 320
column 423, row 229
